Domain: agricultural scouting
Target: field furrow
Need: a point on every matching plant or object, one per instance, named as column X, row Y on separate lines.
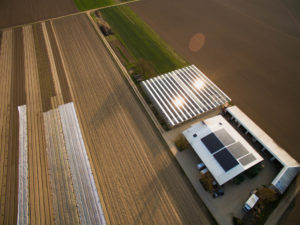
column 65, row 90
column 46, row 82
column 65, row 203
column 17, row 97
column 137, row 178
column 55, row 78
column 40, row 206
column 6, row 55
column 0, row 39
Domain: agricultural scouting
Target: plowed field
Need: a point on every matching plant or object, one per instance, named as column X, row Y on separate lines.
column 138, row 180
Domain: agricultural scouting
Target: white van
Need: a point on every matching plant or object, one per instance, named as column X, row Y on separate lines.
column 250, row 203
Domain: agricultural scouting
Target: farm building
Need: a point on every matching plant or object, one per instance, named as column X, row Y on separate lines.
column 183, row 94
column 290, row 167
column 221, row 148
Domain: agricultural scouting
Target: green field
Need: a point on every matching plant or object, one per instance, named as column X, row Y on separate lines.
column 141, row 40
column 93, row 4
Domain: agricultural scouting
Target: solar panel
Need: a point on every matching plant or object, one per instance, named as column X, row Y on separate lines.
column 224, row 137
column 237, row 150
column 247, row 159
column 225, row 159
column 212, row 143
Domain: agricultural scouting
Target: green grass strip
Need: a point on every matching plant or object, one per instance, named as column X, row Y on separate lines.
column 92, row 4
column 141, row 40
column 123, row 56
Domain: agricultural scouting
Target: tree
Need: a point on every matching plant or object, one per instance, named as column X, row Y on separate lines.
column 145, row 68
column 253, row 171
column 237, row 221
column 207, row 182
column 267, row 195
column 181, row 143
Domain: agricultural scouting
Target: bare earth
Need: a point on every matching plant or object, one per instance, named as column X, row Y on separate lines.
column 15, row 12
column 251, row 49
column 138, row 179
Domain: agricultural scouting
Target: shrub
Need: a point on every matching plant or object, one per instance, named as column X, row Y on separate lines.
column 238, row 179
column 181, row 143
column 237, row 221
column 206, row 180
column 253, row 171
column 268, row 201
column 145, row 68
column 267, row 195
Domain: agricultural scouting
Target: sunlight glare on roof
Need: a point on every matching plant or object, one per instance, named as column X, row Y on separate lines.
column 178, row 101
column 198, row 84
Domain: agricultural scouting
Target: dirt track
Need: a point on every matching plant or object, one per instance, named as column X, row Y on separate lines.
column 251, row 49
column 140, row 181
column 14, row 12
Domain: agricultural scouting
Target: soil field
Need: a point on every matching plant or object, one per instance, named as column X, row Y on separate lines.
column 138, row 180
column 14, row 12
column 140, row 39
column 250, row 49
column 27, row 78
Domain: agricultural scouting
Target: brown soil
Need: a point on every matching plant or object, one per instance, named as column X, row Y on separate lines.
column 251, row 51
column 45, row 78
column 14, row 12
column 58, row 63
column 138, row 180
column 13, row 95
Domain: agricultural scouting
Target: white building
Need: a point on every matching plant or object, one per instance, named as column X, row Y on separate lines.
column 290, row 166
column 221, row 148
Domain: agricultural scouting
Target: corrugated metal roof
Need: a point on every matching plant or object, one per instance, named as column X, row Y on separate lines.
column 183, row 94
column 264, row 139
column 285, row 177
column 290, row 166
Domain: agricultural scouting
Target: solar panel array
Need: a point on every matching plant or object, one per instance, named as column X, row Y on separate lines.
column 238, row 150
column 224, row 137
column 183, row 94
column 247, row 159
column 225, row 159
column 226, row 151
column 212, row 143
